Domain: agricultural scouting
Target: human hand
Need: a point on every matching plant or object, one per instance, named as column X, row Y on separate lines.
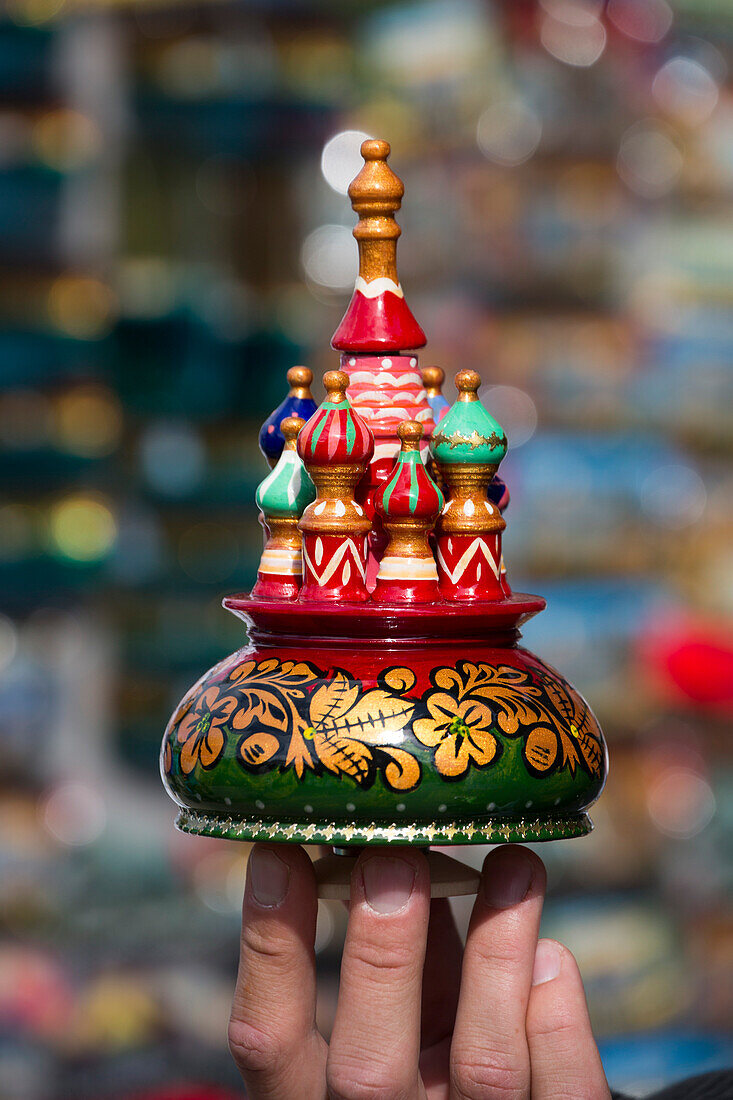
column 418, row 1016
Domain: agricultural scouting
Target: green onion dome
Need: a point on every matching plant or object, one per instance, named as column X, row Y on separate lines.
column 287, row 489
column 468, row 433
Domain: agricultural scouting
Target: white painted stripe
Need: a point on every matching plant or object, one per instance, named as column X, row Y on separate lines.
column 377, row 287
column 417, row 569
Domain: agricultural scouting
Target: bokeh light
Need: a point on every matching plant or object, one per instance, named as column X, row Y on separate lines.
column 514, row 409
column 74, row 813
column 341, row 160
column 650, row 159
column 573, row 34
column 66, row 139
column 83, row 528
column 88, row 421
column 328, row 256
column 81, row 306
column 642, row 20
column 681, row 803
column 32, row 13
column 685, row 89
column 508, row 132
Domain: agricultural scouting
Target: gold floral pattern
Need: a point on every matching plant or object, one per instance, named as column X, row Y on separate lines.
column 200, row 732
column 351, row 731
column 271, row 692
column 459, row 729
column 558, row 728
column 291, row 715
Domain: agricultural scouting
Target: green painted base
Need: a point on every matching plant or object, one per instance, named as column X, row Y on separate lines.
column 486, row 831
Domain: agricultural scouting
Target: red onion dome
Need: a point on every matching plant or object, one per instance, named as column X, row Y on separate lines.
column 335, row 434
column 409, row 490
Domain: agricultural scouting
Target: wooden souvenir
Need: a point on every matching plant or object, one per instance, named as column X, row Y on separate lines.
column 386, row 699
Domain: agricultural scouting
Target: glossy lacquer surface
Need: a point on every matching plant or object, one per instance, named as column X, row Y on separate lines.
column 450, row 741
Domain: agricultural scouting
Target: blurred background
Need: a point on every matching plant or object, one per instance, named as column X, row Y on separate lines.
column 174, row 234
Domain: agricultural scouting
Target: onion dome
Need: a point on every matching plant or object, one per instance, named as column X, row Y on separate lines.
column 409, row 490
column 433, row 379
column 299, row 402
column 287, row 489
column 335, row 434
column 468, row 433
column 378, row 318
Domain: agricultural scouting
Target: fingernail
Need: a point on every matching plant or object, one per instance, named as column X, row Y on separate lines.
column 388, row 883
column 547, row 960
column 269, row 877
column 507, row 880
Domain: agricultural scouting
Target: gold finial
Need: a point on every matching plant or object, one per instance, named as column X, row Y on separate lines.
column 299, row 380
column 375, row 195
column 433, row 379
column 336, row 383
column 410, row 432
column 467, row 384
column 290, row 427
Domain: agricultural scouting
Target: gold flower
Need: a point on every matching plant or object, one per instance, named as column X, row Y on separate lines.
column 460, row 733
column 200, row 731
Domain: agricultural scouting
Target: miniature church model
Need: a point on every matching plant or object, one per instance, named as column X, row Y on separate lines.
column 382, row 696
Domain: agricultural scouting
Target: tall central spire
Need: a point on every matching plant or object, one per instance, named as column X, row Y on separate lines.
column 378, row 319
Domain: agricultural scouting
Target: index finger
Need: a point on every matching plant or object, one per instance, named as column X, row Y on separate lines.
column 272, row 1030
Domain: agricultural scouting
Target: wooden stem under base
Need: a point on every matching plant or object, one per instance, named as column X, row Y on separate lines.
column 448, row 877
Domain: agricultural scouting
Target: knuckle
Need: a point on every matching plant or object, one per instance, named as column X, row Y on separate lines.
column 263, row 942
column 389, row 958
column 480, row 1074
column 252, row 1049
column 500, row 951
column 361, row 1080
column 561, row 1024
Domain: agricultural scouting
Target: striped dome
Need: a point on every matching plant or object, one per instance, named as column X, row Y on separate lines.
column 409, row 489
column 335, row 434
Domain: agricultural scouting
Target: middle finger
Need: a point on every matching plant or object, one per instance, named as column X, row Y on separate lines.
column 375, row 1041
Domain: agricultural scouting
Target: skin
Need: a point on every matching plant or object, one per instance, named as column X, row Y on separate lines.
column 419, row 1016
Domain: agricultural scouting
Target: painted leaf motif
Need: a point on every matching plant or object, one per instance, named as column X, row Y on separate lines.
column 562, row 700
column 592, row 751
column 400, row 679
column 507, row 688
column 343, row 755
column 262, row 704
column 449, row 680
column 541, row 748
column 403, row 771
column 298, row 755
column 332, row 700
column 569, row 750
column 376, row 718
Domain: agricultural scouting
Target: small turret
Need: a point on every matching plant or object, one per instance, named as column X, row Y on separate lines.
column 467, row 448
column 433, row 379
column 299, row 402
column 335, row 446
column 281, row 498
column 408, row 503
